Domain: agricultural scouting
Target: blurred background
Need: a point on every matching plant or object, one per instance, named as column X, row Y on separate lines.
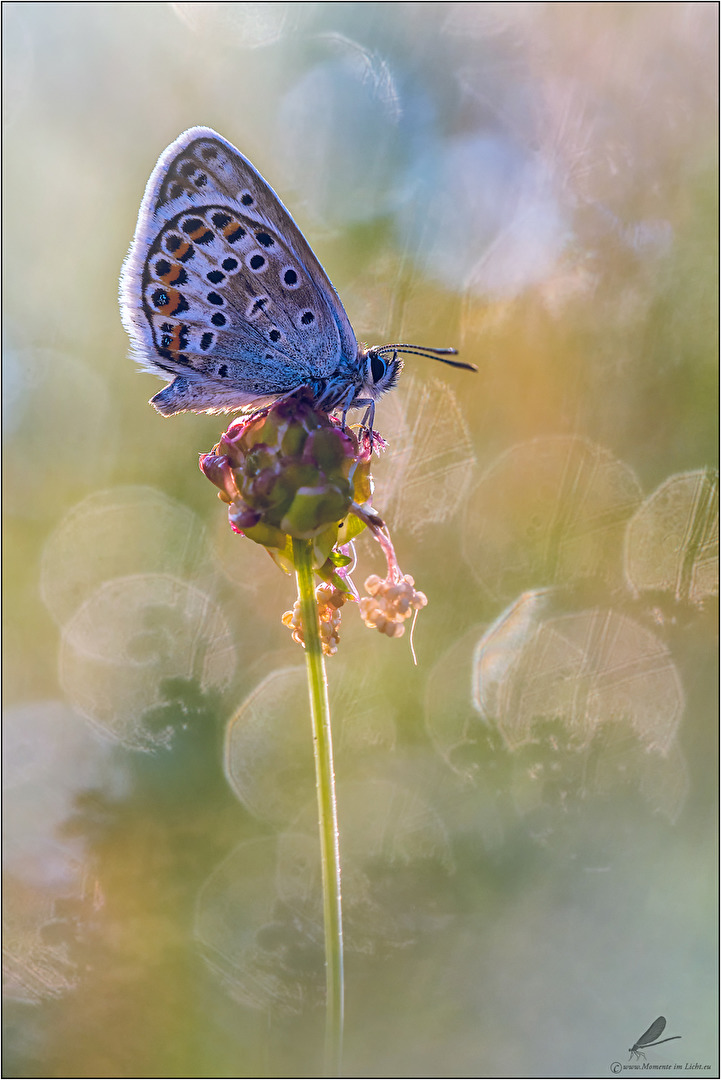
column 528, row 817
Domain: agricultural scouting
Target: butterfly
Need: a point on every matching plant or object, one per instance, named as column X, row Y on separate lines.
column 222, row 295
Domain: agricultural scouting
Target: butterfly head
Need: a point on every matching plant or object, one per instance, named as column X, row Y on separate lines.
column 380, row 368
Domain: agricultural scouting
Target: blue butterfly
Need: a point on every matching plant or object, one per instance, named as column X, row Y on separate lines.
column 222, row 295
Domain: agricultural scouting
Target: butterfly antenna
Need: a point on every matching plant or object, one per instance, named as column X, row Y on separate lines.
column 430, row 354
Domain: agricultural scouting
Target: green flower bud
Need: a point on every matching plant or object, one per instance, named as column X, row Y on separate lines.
column 291, row 471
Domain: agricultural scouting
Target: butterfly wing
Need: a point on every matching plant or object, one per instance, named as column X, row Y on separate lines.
column 221, row 290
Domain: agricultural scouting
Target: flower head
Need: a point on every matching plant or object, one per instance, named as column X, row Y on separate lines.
column 329, row 600
column 290, row 471
column 390, row 603
column 293, row 472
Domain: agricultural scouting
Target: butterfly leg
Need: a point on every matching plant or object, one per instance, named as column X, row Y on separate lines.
column 368, row 418
column 346, row 405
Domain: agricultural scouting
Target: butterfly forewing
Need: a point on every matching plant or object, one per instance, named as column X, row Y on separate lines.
column 220, row 286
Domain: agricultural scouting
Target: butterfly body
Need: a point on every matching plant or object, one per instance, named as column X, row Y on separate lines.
column 222, row 295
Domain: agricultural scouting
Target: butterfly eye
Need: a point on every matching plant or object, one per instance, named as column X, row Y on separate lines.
column 378, row 367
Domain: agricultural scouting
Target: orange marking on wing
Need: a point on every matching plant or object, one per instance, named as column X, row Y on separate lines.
column 171, row 302
column 175, row 344
column 171, row 276
column 196, row 233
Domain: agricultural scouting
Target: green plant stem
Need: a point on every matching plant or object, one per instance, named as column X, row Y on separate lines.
column 327, row 813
